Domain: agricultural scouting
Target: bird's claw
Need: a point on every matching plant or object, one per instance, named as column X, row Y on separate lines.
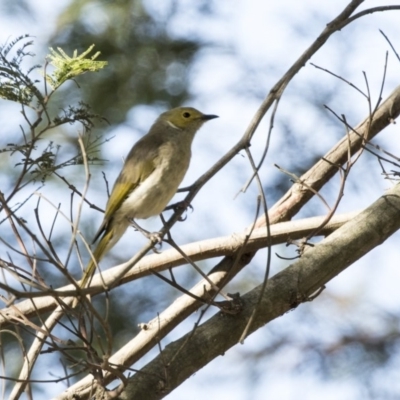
column 156, row 238
column 179, row 207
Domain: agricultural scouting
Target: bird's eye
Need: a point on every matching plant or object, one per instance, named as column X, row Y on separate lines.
column 186, row 114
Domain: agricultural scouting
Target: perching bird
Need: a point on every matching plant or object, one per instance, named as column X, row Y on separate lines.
column 152, row 172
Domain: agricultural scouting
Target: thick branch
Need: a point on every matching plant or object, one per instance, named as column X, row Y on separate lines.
column 284, row 291
column 323, row 171
column 197, row 251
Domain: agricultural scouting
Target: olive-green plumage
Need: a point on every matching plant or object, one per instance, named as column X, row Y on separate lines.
column 150, row 177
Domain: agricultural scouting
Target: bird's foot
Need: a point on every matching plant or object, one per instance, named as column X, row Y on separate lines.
column 179, row 206
column 155, row 237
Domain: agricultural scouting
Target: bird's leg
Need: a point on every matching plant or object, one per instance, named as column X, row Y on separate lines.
column 179, row 206
column 139, row 228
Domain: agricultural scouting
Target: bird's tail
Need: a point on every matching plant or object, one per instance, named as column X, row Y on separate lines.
column 106, row 242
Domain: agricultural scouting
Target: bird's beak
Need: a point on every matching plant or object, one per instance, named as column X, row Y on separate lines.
column 206, row 117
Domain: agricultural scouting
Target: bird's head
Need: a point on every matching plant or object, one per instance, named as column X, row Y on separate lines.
column 186, row 118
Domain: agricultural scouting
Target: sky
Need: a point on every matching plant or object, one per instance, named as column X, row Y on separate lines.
column 264, row 39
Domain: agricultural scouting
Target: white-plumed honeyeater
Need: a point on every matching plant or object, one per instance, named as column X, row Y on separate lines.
column 152, row 172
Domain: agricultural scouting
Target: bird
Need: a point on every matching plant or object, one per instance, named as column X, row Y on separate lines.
column 150, row 177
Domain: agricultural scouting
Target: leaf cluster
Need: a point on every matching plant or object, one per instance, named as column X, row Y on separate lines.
column 70, row 67
column 15, row 84
column 33, row 94
column 30, row 159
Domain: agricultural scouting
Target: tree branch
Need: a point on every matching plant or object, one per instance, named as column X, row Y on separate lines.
column 285, row 291
column 197, row 251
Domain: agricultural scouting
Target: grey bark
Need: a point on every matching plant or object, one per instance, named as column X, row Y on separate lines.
column 285, row 291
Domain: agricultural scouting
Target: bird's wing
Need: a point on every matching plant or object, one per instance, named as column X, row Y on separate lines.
column 140, row 163
column 123, row 187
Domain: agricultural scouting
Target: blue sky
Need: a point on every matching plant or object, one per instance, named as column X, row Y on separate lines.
column 264, row 39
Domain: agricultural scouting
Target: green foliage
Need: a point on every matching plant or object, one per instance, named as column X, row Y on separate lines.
column 34, row 161
column 70, row 67
column 15, row 85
